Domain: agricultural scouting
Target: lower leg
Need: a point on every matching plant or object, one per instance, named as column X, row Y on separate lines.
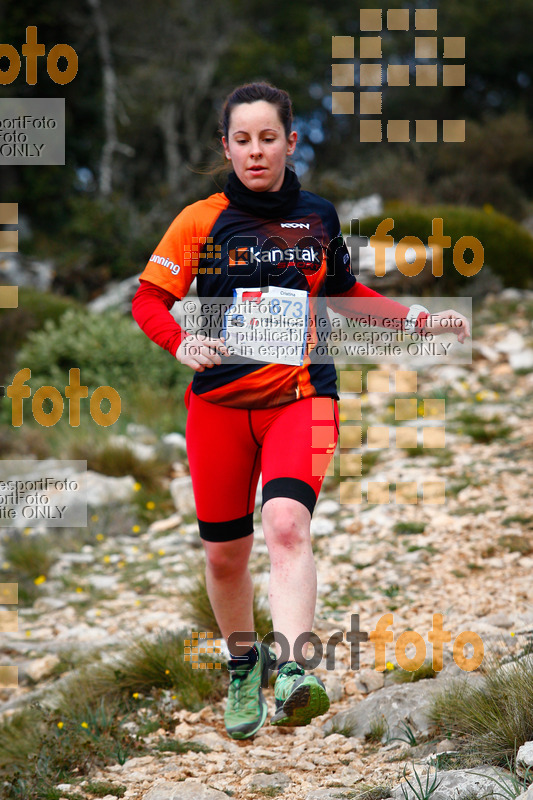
column 293, row 581
column 229, row 584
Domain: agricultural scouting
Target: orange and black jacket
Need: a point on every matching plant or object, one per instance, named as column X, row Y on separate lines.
column 225, row 248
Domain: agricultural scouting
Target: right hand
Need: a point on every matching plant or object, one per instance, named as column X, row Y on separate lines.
column 200, row 352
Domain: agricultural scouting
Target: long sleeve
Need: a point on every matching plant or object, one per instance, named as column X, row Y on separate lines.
column 379, row 308
column 348, row 297
column 151, row 310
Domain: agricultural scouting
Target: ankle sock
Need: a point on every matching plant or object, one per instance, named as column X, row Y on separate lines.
column 249, row 659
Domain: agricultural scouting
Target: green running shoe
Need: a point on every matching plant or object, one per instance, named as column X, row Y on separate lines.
column 299, row 698
column 246, row 709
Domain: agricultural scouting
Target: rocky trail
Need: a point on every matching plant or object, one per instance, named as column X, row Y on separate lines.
column 469, row 559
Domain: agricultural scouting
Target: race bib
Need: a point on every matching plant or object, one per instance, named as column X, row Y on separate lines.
column 268, row 325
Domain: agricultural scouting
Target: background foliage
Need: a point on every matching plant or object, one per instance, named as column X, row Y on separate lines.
column 172, row 66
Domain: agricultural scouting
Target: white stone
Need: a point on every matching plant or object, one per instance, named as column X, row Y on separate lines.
column 333, row 688
column 182, row 495
column 326, row 507
column 371, row 206
column 524, row 757
column 103, row 489
column 322, row 526
column 512, row 342
column 369, row 680
column 176, row 440
column 522, row 360
column 116, row 295
column 161, row 525
column 144, row 452
column 103, row 581
column 41, row 667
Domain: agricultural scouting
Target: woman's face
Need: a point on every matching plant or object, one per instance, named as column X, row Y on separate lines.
column 257, row 145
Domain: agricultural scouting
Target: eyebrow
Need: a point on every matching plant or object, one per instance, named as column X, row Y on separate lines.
column 263, row 131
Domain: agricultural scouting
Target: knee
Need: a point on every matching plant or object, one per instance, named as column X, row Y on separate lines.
column 226, row 559
column 286, row 532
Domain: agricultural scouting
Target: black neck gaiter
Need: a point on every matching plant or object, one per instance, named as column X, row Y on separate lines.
column 269, row 205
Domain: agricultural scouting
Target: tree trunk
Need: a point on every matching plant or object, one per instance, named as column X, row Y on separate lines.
column 111, row 144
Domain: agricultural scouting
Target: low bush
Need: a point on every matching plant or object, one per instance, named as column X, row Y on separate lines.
column 34, row 309
column 508, row 248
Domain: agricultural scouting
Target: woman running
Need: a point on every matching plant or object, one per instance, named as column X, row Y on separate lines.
column 262, row 237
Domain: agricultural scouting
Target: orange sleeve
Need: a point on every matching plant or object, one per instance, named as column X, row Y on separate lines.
column 173, row 264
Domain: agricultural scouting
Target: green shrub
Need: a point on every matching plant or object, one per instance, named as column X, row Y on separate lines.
column 508, row 247
column 107, row 348
column 17, row 323
column 495, row 718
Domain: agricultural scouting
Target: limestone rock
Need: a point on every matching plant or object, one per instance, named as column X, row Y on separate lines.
column 394, row 704
column 182, row 495
column 456, row 784
column 524, row 757
column 369, row 680
column 276, row 780
column 190, row 789
column 41, row 668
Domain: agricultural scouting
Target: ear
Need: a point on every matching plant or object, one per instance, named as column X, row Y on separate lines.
column 226, row 148
column 291, row 147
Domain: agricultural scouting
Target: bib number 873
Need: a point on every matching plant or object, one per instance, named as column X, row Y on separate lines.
column 283, row 306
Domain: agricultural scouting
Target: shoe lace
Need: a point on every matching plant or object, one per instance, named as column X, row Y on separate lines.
column 292, row 669
column 237, row 678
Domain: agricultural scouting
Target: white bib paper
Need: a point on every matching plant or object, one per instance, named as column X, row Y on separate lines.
column 269, row 325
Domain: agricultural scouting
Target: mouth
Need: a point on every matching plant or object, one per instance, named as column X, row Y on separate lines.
column 256, row 170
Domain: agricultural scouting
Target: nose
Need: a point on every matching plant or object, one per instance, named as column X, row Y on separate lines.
column 256, row 150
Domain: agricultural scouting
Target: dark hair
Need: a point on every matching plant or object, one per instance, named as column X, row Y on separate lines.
column 249, row 93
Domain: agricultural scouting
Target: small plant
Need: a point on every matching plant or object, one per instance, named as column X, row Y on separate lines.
column 406, row 735
column 391, row 591
column 494, row 718
column 421, row 791
column 424, row 671
column 378, row 729
column 409, row 527
column 516, row 544
column 101, row 789
column 345, row 730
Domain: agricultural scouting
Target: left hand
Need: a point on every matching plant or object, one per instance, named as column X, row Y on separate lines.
column 449, row 321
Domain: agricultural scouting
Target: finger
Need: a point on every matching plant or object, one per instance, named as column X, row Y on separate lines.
column 203, row 359
column 218, row 344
